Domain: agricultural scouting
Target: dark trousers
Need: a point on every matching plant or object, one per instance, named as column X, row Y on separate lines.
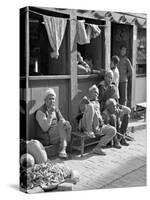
column 124, row 124
column 123, row 93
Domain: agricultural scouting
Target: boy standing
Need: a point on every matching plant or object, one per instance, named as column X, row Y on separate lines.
column 125, row 71
column 113, row 65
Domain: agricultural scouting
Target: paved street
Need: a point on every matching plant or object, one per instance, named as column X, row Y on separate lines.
column 134, row 178
column 124, row 167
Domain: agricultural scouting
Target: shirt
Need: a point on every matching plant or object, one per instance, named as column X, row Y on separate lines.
column 115, row 80
column 125, row 69
column 47, row 120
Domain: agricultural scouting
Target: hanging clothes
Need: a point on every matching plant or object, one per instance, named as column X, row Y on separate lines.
column 55, row 28
column 93, row 31
column 81, row 33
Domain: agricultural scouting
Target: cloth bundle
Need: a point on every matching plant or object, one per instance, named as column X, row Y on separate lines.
column 85, row 34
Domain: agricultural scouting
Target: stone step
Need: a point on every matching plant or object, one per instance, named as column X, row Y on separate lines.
column 136, row 124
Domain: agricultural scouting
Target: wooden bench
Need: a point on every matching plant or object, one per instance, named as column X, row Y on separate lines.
column 141, row 109
column 52, row 150
column 80, row 140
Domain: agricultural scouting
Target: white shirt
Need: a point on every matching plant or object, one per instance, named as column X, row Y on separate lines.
column 115, row 80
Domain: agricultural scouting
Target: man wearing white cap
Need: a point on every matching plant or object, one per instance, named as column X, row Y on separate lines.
column 52, row 127
column 91, row 122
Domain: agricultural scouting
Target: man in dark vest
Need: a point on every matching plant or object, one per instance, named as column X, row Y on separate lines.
column 52, row 127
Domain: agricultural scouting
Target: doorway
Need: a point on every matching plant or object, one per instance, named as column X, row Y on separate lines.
column 122, row 34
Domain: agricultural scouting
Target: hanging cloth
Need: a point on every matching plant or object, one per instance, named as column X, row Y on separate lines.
column 93, row 31
column 55, row 28
column 81, row 33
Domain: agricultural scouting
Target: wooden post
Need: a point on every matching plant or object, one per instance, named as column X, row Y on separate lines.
column 107, row 44
column 27, row 50
column 73, row 65
column 134, row 56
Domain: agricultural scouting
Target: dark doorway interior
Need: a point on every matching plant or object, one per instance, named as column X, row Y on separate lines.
column 122, row 34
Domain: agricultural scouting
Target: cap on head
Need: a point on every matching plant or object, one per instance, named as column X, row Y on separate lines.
column 110, row 101
column 93, row 88
column 50, row 91
column 109, row 72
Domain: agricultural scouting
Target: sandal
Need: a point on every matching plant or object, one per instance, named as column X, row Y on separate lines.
column 90, row 134
column 63, row 155
column 99, row 152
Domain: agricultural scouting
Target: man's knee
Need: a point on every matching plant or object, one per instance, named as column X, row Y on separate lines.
column 126, row 110
column 65, row 129
column 111, row 131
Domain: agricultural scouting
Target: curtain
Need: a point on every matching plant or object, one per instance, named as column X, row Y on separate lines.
column 82, row 37
column 85, row 34
column 55, row 28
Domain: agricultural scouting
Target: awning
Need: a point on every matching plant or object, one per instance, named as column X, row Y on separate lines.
column 119, row 17
column 123, row 18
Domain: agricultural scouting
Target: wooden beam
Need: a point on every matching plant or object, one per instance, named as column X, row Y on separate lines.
column 107, row 44
column 73, row 65
column 27, row 50
column 134, row 57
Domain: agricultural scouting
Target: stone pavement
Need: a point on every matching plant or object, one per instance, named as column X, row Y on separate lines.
column 134, row 178
column 125, row 167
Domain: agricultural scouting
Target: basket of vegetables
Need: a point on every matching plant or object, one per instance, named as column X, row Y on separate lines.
column 46, row 176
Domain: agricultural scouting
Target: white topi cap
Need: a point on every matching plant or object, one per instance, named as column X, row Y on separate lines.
column 93, row 87
column 108, row 73
column 50, row 91
column 110, row 101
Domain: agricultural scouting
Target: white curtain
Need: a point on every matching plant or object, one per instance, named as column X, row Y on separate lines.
column 82, row 37
column 55, row 28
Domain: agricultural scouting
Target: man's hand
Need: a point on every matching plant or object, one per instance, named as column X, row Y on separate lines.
column 67, row 124
column 51, row 109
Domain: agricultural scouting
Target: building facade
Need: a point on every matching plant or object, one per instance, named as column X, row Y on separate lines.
column 40, row 69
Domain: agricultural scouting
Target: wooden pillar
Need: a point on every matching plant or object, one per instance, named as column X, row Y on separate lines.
column 27, row 50
column 134, row 56
column 107, row 44
column 73, row 66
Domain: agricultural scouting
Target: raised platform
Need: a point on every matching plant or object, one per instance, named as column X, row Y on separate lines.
column 136, row 124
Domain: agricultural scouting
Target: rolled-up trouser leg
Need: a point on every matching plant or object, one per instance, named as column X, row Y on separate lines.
column 54, row 135
column 124, row 124
column 64, row 135
column 113, row 122
column 109, row 132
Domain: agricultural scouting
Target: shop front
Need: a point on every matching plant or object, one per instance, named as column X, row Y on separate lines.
column 48, row 61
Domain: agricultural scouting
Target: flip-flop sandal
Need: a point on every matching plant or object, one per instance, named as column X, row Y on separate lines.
column 63, row 155
column 99, row 152
column 91, row 134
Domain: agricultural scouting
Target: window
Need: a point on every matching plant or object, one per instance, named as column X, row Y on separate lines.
column 141, row 51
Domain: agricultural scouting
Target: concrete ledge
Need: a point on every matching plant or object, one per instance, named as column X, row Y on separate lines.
column 136, row 124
